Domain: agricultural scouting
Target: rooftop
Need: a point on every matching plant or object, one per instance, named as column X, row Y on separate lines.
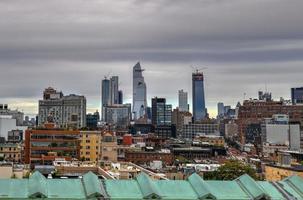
column 143, row 187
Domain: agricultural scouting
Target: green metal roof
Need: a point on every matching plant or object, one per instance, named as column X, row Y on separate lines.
column 143, row 187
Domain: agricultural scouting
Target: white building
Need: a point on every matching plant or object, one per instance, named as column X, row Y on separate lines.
column 7, row 123
column 19, row 116
column 139, row 93
column 282, row 134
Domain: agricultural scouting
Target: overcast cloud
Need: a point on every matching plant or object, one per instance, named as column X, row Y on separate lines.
column 72, row 44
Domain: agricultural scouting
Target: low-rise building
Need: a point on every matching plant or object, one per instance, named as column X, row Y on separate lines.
column 278, row 173
column 43, row 146
column 10, row 152
column 145, row 157
column 109, row 148
column 192, row 130
column 90, row 145
column 211, row 140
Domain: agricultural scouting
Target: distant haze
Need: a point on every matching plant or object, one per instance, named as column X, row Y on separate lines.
column 72, row 45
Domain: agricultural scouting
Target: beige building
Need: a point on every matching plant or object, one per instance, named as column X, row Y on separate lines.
column 90, row 142
column 10, row 152
column 277, row 173
column 109, row 146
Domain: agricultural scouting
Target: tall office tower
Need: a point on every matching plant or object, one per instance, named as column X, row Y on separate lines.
column 106, row 92
column 297, row 95
column 199, row 110
column 65, row 111
column 139, row 92
column 105, row 95
column 114, row 90
column 221, row 110
column 120, row 97
column 183, row 103
column 161, row 112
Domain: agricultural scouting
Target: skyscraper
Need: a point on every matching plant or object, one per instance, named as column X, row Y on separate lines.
column 139, row 92
column 199, row 110
column 183, row 104
column 161, row 112
column 221, row 110
column 106, row 95
column 120, row 97
column 114, row 90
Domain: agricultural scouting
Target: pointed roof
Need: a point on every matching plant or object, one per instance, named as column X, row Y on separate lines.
column 250, row 186
column 92, row 185
column 147, row 186
column 296, row 183
column 200, row 186
column 37, row 186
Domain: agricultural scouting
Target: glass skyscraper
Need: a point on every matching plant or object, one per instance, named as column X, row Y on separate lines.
column 199, row 110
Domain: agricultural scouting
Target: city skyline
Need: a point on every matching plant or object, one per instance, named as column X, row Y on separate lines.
column 40, row 47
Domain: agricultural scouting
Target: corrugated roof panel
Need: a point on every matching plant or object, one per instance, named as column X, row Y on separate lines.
column 271, row 190
column 65, row 188
column 176, row 190
column 251, row 187
column 123, row 189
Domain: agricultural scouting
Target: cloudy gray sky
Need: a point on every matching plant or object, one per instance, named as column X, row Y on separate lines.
column 72, row 44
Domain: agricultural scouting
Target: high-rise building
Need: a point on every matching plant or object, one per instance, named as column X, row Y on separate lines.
column 114, row 90
column 221, row 110
column 106, row 95
column 183, row 103
column 139, row 92
column 118, row 116
column 65, row 111
column 120, row 97
column 297, row 95
column 162, row 118
column 199, row 110
column 161, row 112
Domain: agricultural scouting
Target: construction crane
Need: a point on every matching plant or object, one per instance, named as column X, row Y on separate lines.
column 196, row 69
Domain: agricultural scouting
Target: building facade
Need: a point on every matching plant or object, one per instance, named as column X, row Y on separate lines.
column 254, row 112
column 118, row 116
column 183, row 101
column 90, row 145
column 139, row 93
column 109, row 148
column 65, row 111
column 199, row 109
column 19, row 116
column 43, row 146
column 192, row 130
column 11, row 152
column 297, row 95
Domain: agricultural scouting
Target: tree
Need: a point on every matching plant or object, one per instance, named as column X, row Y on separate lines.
column 231, row 170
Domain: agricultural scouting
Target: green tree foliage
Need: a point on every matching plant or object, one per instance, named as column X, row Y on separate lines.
column 231, row 170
